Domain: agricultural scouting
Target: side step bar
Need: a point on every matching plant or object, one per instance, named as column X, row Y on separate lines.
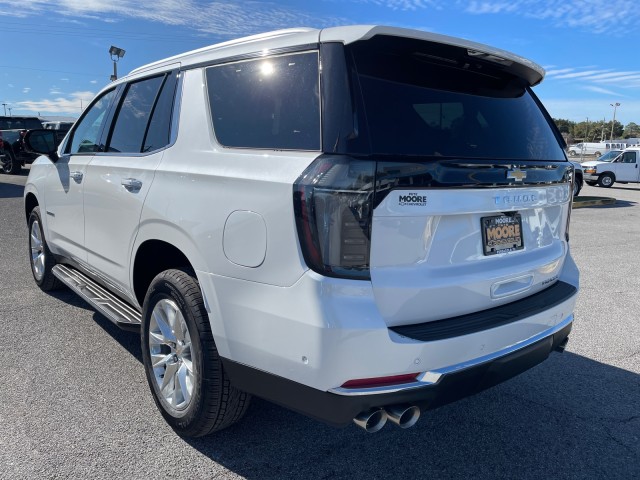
column 116, row 310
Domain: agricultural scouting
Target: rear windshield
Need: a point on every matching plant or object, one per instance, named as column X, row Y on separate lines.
column 426, row 99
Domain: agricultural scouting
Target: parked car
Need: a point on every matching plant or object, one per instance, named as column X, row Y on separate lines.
column 579, row 178
column 349, row 241
column 12, row 153
column 623, row 169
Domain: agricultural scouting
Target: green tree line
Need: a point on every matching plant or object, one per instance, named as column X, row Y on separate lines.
column 597, row 131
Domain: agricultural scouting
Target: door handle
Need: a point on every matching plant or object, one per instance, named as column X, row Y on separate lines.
column 77, row 176
column 131, row 184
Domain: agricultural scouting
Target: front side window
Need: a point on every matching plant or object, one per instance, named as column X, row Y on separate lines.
column 269, row 103
column 86, row 136
column 427, row 99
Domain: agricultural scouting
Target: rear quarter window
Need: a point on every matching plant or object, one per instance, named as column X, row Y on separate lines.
column 271, row 103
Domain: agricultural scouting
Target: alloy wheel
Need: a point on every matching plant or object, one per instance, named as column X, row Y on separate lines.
column 37, row 251
column 170, row 351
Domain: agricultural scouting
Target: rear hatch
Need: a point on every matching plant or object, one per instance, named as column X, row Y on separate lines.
column 472, row 185
column 446, row 185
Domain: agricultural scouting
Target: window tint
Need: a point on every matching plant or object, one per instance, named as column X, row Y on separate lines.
column 160, row 126
column 628, row 157
column 133, row 116
column 268, row 103
column 86, row 135
column 436, row 100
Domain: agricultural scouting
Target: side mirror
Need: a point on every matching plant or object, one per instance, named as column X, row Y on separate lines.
column 43, row 142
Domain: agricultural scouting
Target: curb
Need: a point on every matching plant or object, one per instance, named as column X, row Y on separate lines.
column 580, row 202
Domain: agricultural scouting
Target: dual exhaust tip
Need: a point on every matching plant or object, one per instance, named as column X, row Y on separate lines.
column 373, row 420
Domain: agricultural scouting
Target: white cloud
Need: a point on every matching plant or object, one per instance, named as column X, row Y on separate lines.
column 225, row 18
column 55, row 91
column 70, row 105
column 593, row 88
column 26, row 89
column 406, row 5
column 93, row 82
column 624, row 79
column 598, row 16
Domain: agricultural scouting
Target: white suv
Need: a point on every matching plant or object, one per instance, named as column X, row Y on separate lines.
column 358, row 223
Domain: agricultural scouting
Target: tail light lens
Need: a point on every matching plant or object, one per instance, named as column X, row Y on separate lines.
column 333, row 202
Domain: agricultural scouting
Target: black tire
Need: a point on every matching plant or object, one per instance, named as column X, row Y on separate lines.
column 577, row 185
column 10, row 163
column 213, row 403
column 590, row 183
column 606, row 180
column 597, row 154
column 41, row 259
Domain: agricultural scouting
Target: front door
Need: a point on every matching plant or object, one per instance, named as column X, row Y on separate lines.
column 65, row 183
column 626, row 167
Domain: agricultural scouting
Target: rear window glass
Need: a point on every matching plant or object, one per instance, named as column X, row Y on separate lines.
column 433, row 100
column 271, row 103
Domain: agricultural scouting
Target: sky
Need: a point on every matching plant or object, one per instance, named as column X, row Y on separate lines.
column 55, row 52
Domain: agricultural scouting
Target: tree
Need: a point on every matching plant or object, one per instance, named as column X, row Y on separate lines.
column 632, row 130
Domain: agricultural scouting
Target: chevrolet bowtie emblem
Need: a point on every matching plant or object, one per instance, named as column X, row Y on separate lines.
column 517, row 175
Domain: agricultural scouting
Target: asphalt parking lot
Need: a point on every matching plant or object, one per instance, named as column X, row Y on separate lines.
column 74, row 401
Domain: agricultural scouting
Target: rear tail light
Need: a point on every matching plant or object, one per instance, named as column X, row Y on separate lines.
column 333, row 201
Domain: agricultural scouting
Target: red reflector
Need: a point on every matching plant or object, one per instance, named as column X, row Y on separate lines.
column 380, row 381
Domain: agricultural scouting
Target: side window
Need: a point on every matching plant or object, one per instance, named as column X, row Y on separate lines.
column 159, row 131
column 269, row 103
column 133, row 115
column 85, row 136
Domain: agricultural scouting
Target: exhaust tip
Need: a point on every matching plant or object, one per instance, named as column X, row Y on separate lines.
column 372, row 420
column 404, row 416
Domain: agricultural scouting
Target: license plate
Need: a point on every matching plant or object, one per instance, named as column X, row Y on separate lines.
column 502, row 233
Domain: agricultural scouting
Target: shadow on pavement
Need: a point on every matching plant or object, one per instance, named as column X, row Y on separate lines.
column 8, row 190
column 570, row 417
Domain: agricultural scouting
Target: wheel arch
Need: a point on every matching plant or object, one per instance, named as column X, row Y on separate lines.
column 151, row 258
column 30, row 202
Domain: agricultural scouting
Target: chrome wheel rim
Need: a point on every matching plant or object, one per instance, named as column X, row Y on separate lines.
column 170, row 353
column 37, row 251
column 606, row 181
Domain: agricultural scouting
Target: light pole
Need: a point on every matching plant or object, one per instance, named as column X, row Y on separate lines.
column 5, row 109
column 615, row 106
column 9, row 111
column 116, row 54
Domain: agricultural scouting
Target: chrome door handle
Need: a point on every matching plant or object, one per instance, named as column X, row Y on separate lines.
column 131, row 184
column 77, row 176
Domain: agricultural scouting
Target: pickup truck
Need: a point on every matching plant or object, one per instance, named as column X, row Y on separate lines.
column 622, row 169
column 12, row 153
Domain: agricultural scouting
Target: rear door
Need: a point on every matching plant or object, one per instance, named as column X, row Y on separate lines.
column 118, row 180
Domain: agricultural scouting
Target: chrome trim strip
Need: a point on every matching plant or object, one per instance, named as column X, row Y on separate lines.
column 432, row 377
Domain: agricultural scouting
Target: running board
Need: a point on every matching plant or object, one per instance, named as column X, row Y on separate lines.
column 116, row 310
